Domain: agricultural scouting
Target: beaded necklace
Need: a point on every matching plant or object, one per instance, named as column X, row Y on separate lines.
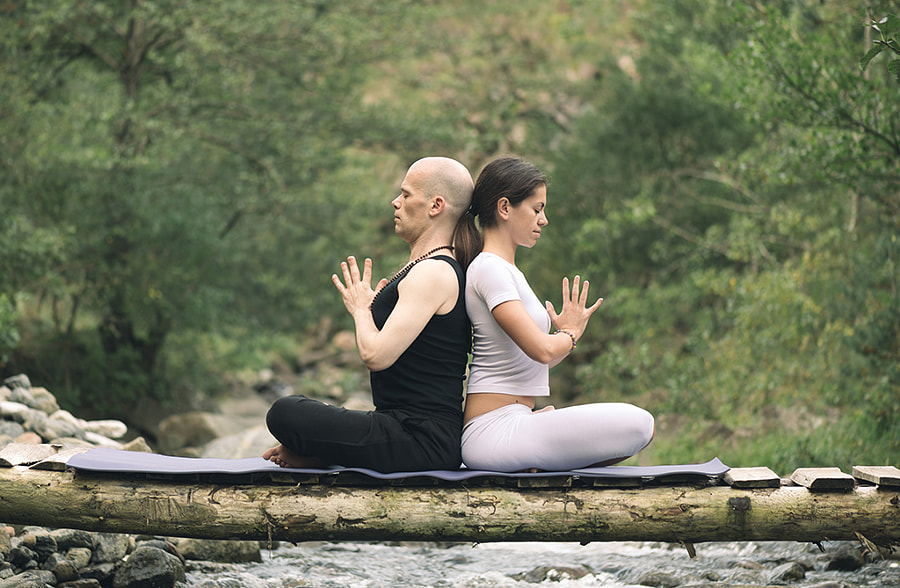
column 405, row 270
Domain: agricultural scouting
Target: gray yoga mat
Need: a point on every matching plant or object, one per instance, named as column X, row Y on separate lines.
column 118, row 461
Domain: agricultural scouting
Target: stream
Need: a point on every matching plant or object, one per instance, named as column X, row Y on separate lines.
column 502, row 565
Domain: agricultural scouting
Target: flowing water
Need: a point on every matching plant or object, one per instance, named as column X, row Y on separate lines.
column 563, row 565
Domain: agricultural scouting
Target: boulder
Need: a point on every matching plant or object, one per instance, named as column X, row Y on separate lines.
column 149, row 567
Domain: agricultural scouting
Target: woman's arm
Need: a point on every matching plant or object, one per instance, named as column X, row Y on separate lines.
column 428, row 289
column 548, row 348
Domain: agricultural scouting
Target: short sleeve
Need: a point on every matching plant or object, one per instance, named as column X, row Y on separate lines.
column 494, row 282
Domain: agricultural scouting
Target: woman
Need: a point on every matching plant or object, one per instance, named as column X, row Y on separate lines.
column 514, row 347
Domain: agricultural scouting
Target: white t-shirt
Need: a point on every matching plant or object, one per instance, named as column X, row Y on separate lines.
column 498, row 364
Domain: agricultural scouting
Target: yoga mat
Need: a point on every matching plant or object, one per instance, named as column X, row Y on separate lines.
column 118, row 461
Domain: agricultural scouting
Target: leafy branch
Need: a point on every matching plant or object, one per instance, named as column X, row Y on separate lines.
column 889, row 30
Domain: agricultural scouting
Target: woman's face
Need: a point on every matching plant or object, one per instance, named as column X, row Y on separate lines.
column 528, row 218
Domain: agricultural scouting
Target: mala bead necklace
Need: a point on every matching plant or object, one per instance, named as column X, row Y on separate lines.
column 405, row 270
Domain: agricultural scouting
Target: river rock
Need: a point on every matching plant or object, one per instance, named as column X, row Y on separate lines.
column 250, row 443
column 110, row 547
column 43, row 400
column 18, row 381
column 102, row 573
column 40, row 541
column 846, row 558
column 63, row 569
column 786, row 573
column 30, row 579
column 11, row 429
column 138, row 444
column 109, row 428
column 149, row 567
column 70, row 538
column 220, row 551
column 553, row 574
column 79, row 556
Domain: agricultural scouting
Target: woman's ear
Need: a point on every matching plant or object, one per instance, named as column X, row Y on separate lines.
column 503, row 207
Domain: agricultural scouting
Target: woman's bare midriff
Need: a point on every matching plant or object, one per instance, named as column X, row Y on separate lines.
column 479, row 404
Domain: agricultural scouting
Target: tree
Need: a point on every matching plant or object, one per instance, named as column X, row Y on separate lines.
column 156, row 141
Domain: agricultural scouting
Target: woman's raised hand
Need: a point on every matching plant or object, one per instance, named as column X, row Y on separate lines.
column 575, row 312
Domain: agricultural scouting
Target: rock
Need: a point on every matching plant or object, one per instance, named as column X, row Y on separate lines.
column 543, row 574
column 110, row 547
column 102, row 573
column 659, row 579
column 63, row 569
column 18, row 381
column 22, row 557
column 11, row 429
column 79, row 556
column 81, row 583
column 49, row 428
column 4, row 393
column 846, row 558
column 69, row 538
column 44, row 400
column 786, row 573
column 40, row 541
column 101, row 441
column 5, row 545
column 149, row 567
column 14, row 411
column 111, row 429
column 220, row 551
column 30, row 579
column 30, row 438
column 250, row 443
column 187, row 430
column 138, row 444
column 22, row 396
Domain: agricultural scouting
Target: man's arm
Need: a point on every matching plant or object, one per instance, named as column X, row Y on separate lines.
column 431, row 287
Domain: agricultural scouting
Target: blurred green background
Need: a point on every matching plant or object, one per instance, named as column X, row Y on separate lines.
column 180, row 179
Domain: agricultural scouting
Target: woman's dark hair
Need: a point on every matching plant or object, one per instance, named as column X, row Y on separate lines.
column 506, row 177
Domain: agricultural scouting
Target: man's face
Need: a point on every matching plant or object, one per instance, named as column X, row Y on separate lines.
column 410, row 207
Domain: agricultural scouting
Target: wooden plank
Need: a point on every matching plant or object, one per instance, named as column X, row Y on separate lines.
column 16, row 454
column 759, row 477
column 57, row 461
column 671, row 514
column 880, row 475
column 823, row 479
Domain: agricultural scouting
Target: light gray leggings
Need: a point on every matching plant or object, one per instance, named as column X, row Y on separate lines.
column 514, row 438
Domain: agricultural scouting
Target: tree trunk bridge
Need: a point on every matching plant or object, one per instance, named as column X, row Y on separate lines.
column 751, row 504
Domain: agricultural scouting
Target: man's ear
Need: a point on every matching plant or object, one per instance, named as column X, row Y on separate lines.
column 438, row 203
column 503, row 207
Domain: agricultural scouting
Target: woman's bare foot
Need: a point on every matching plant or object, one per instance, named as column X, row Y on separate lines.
column 284, row 457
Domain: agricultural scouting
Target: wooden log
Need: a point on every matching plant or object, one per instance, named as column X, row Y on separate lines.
column 675, row 514
column 880, row 475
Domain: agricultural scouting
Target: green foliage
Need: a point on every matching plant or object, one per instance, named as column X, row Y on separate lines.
column 888, row 29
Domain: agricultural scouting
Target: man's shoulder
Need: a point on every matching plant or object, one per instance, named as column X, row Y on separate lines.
column 432, row 269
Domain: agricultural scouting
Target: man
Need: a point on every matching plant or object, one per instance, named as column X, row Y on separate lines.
column 414, row 336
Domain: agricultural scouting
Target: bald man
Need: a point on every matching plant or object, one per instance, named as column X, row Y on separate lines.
column 412, row 333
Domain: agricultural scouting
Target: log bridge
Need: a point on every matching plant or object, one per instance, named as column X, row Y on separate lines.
column 746, row 504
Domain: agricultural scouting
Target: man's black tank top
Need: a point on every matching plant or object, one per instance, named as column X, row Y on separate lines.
column 428, row 376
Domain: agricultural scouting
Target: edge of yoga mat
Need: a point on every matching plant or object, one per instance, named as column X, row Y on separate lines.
column 119, row 461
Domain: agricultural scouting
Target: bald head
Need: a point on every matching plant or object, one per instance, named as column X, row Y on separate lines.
column 442, row 176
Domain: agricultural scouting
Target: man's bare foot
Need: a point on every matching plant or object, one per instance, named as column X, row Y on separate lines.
column 284, row 457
